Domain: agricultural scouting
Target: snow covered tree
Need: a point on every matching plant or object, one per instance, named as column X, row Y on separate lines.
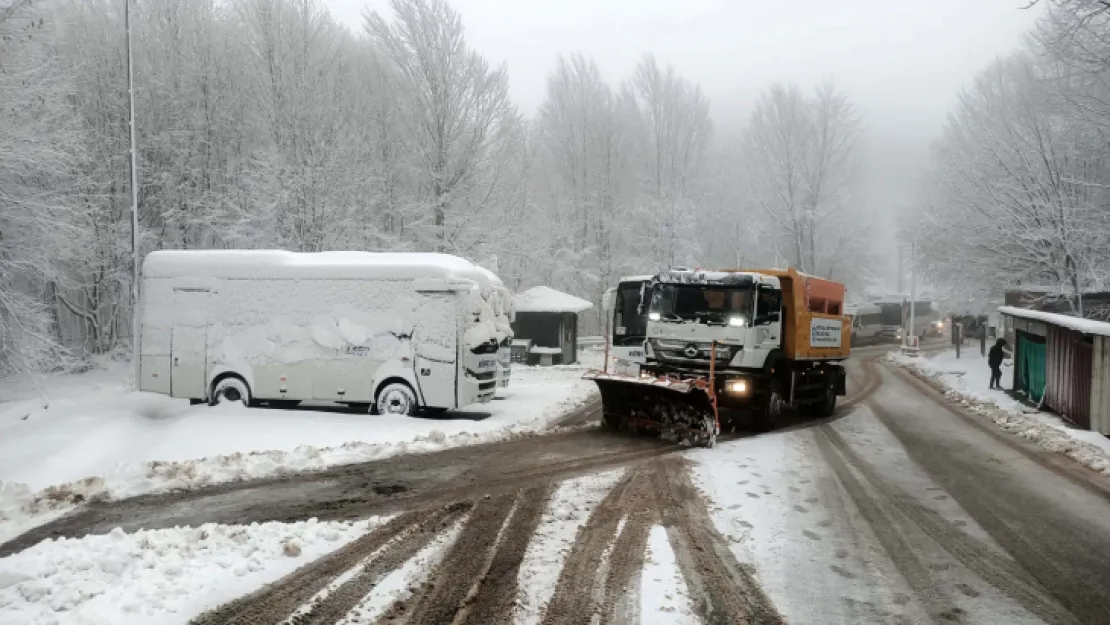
column 456, row 110
column 1018, row 188
column 671, row 115
column 801, row 158
column 38, row 146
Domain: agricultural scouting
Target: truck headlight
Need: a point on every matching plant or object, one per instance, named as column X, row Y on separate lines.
column 737, row 321
column 736, row 387
column 654, row 316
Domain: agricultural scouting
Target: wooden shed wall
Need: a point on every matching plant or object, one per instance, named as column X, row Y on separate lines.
column 1068, row 375
column 1100, row 382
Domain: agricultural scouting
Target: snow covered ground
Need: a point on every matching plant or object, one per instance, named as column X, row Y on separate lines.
column 153, row 577
column 70, row 438
column 967, row 379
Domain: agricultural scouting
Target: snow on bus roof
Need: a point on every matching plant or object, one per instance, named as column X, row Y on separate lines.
column 646, row 278
column 281, row 264
column 547, row 299
column 1079, row 324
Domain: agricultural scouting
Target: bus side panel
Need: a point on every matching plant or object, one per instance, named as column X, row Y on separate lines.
column 156, row 325
column 317, row 339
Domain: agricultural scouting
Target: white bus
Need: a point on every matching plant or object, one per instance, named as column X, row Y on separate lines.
column 867, row 323
column 627, row 326
column 399, row 332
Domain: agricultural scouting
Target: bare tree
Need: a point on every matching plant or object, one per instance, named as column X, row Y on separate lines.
column 458, row 107
column 672, row 115
column 801, row 158
column 1012, row 195
column 38, row 145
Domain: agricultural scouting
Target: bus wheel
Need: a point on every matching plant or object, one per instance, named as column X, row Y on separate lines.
column 231, row 389
column 397, row 399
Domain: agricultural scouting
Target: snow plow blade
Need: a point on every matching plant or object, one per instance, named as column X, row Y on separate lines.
column 680, row 410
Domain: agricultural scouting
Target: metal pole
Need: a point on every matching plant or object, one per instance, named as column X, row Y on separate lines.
column 913, row 288
column 135, row 338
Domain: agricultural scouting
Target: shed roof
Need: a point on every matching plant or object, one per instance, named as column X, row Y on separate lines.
column 547, row 299
column 1079, row 324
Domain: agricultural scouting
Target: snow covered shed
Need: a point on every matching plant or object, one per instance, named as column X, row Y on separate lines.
column 548, row 319
column 1063, row 362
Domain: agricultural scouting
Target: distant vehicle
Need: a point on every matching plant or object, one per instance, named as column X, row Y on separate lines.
column 627, row 324
column 400, row 332
column 867, row 323
column 896, row 316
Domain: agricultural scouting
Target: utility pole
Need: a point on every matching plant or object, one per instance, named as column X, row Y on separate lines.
column 900, row 270
column 913, row 287
column 135, row 349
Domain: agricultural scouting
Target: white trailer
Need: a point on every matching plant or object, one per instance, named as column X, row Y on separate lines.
column 400, row 332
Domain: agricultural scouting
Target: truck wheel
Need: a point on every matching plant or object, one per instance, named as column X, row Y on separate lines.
column 231, row 389
column 828, row 405
column 397, row 399
column 769, row 415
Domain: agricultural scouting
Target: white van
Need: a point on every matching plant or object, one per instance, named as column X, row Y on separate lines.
column 398, row 331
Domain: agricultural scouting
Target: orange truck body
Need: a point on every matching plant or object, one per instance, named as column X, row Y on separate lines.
column 806, row 299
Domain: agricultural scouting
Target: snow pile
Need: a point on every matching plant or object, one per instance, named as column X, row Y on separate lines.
column 98, row 440
column 155, row 576
column 967, row 381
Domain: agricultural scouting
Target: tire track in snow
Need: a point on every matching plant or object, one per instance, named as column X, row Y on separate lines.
column 448, row 588
column 274, row 603
column 1000, row 571
column 724, row 591
column 497, row 588
column 573, row 602
column 569, row 507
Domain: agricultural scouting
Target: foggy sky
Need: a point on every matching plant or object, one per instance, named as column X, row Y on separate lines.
column 901, row 61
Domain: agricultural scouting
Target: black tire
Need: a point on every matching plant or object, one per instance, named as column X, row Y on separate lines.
column 397, row 398
column 827, row 407
column 231, row 389
column 767, row 416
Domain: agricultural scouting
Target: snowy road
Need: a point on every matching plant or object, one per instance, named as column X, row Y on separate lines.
column 899, row 509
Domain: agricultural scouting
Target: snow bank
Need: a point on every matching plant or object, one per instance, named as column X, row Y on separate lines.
column 967, row 381
column 98, row 440
column 157, row 576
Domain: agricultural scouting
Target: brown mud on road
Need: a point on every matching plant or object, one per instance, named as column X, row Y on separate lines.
column 476, row 581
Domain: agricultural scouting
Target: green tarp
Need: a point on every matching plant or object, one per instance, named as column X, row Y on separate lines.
column 1031, row 367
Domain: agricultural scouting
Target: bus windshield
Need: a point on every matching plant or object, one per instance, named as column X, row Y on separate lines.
column 629, row 326
column 707, row 303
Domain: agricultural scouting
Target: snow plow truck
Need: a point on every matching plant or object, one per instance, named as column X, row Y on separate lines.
column 730, row 344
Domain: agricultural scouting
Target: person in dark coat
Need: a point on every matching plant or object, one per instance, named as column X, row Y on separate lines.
column 995, row 357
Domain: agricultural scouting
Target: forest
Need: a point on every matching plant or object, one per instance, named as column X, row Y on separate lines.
column 268, row 124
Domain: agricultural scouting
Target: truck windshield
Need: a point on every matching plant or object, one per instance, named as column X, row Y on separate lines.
column 629, row 326
column 707, row 303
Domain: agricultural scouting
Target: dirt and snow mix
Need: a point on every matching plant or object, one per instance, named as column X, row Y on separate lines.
column 967, row 379
column 153, row 577
column 68, row 439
